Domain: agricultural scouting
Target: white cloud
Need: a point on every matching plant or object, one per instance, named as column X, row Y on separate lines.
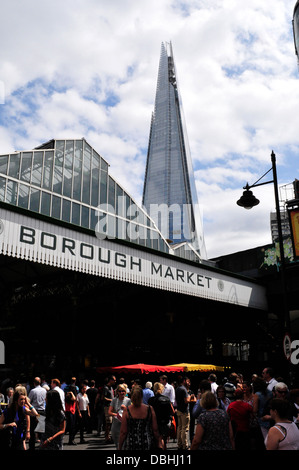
column 89, row 68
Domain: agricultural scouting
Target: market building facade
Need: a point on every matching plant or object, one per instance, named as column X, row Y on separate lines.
column 89, row 280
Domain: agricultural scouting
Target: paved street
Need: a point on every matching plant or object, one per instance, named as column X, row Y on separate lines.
column 93, row 442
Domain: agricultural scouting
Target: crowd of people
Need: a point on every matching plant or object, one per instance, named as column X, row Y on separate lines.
column 261, row 413
column 38, row 416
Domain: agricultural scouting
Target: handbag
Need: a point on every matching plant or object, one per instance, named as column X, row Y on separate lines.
column 40, row 427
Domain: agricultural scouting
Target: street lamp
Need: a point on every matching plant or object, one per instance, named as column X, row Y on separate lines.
column 248, row 200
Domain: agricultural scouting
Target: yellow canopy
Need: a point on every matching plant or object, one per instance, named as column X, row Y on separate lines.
column 198, row 367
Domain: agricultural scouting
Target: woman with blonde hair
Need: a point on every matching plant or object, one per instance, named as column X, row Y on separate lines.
column 116, row 409
column 163, row 409
column 139, row 429
column 21, row 389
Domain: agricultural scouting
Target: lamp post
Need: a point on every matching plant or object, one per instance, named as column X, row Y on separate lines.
column 248, row 200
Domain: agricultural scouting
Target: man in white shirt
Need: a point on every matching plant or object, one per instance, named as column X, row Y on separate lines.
column 55, row 385
column 269, row 379
column 213, row 379
column 168, row 389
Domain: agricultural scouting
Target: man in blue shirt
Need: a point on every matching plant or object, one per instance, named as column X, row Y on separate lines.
column 37, row 397
column 147, row 392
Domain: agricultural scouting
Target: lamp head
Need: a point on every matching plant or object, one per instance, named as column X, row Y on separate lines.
column 248, row 200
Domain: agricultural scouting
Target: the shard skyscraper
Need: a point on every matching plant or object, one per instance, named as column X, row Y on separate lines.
column 169, row 193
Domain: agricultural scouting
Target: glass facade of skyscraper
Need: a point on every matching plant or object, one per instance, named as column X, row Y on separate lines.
column 169, row 194
column 68, row 180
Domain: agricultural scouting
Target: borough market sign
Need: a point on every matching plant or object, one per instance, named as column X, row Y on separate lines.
column 37, row 240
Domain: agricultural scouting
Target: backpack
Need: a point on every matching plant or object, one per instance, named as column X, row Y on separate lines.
column 162, row 407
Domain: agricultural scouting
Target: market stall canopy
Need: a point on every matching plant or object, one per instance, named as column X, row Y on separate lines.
column 185, row 367
column 139, row 368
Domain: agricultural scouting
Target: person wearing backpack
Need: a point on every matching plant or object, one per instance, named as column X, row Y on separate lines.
column 163, row 409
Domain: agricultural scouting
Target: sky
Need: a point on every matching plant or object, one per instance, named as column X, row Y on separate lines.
column 88, row 68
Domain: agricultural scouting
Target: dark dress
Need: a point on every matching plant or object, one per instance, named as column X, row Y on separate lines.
column 216, row 430
column 52, row 426
column 140, row 435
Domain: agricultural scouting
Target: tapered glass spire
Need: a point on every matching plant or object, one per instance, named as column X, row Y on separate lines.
column 169, row 193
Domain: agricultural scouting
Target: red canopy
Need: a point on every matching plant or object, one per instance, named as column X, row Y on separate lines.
column 138, row 368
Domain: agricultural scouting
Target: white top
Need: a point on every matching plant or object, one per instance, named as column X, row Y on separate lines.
column 169, row 392
column 83, row 401
column 290, row 436
column 271, row 384
column 62, row 395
